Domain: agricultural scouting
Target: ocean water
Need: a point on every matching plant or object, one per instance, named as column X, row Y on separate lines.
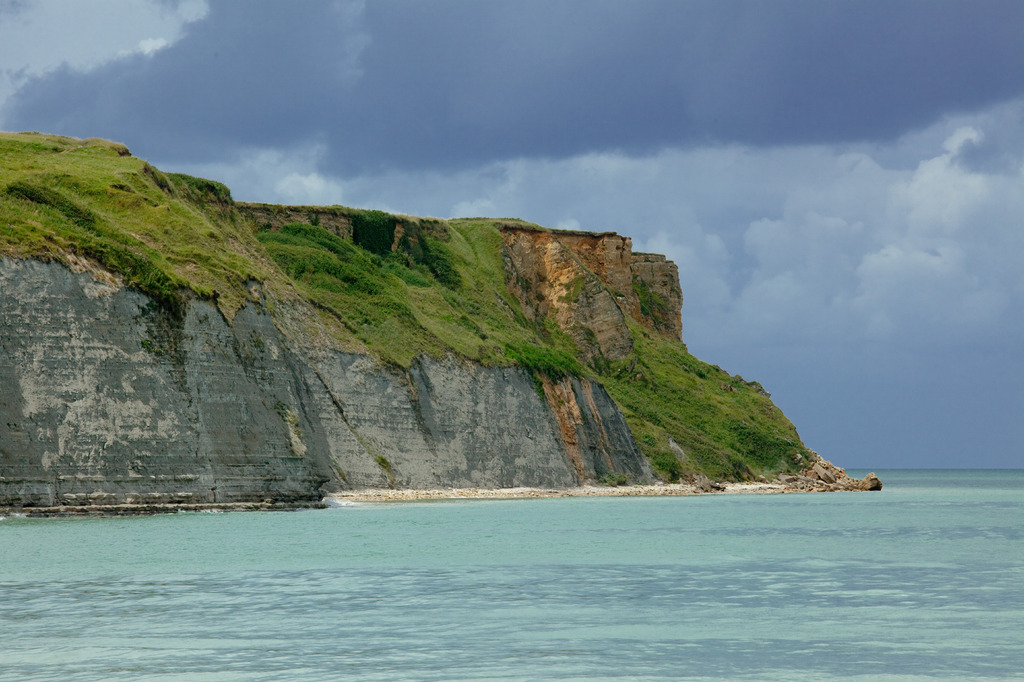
column 922, row 581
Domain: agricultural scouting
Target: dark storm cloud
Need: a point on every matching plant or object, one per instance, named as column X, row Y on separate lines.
column 12, row 6
column 406, row 84
column 245, row 75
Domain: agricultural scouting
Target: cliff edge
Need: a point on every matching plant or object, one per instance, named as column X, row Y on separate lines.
column 162, row 344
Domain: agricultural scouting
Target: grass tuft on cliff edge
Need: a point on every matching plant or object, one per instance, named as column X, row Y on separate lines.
column 397, row 287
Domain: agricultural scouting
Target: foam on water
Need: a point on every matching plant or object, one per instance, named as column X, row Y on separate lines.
column 335, row 503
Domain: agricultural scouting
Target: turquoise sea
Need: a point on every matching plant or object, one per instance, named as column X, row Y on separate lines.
column 922, row 581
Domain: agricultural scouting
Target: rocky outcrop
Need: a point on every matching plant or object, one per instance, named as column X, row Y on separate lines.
column 273, row 216
column 338, row 220
column 107, row 399
column 590, row 283
column 656, row 283
column 549, row 279
column 822, row 475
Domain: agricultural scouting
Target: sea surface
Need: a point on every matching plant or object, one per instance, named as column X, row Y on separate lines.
column 921, row 581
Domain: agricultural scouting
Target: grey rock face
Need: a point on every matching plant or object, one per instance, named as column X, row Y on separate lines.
column 605, row 441
column 107, row 399
column 104, row 399
column 442, row 423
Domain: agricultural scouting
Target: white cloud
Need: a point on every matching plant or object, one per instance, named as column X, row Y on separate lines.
column 270, row 175
column 191, row 10
column 961, row 136
column 473, row 209
column 309, row 189
column 151, row 45
column 951, row 266
column 941, row 195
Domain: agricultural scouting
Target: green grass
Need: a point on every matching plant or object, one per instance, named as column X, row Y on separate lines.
column 401, row 287
column 728, row 428
column 401, row 309
column 63, row 197
column 550, row 362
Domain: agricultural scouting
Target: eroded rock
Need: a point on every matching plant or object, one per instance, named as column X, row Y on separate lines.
column 821, row 473
column 703, row 484
column 831, row 477
column 590, row 284
column 871, row 482
column 105, row 399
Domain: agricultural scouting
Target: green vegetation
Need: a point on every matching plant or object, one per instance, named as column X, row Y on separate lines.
column 550, row 362
column 651, row 304
column 374, row 231
column 614, row 480
column 573, row 293
column 62, row 198
column 727, row 428
column 200, row 190
column 91, row 237
column 385, row 464
column 400, row 308
column 395, row 286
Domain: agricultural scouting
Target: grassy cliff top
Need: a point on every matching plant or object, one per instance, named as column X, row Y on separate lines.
column 396, row 287
column 163, row 233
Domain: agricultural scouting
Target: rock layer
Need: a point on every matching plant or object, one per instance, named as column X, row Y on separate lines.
column 591, row 283
column 107, row 399
column 104, row 399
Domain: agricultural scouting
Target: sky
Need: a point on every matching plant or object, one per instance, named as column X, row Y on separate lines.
column 840, row 183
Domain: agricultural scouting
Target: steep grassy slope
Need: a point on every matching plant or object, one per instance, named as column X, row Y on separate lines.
column 162, row 232
column 396, row 287
column 397, row 305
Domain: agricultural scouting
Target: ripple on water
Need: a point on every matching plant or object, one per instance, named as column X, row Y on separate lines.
column 639, row 589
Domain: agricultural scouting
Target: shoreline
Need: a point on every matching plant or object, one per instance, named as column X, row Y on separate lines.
column 785, row 484
column 393, row 495
column 820, row 477
column 103, row 510
column 654, row 490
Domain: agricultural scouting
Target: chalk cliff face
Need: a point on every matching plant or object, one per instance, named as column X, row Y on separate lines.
column 106, row 398
column 592, row 283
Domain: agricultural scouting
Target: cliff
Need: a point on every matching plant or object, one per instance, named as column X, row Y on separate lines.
column 105, row 399
column 589, row 283
column 161, row 343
